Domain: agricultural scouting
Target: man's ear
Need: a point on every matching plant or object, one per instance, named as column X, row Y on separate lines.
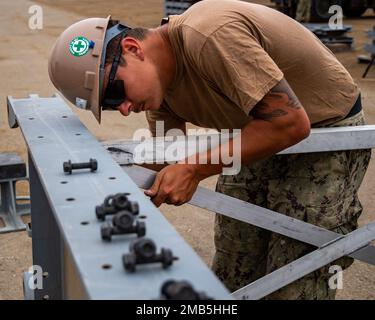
column 133, row 47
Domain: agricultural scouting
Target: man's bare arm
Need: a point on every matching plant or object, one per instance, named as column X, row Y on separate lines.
column 280, row 121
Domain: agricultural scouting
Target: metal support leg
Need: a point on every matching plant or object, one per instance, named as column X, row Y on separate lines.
column 47, row 242
column 10, row 210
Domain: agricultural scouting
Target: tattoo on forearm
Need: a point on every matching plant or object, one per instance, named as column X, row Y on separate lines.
column 292, row 102
column 265, row 110
column 286, row 93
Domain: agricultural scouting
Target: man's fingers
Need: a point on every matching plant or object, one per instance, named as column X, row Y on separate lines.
column 158, row 196
column 154, row 188
column 159, row 199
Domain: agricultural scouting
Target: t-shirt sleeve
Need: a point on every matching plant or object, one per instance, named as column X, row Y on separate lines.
column 235, row 63
column 170, row 120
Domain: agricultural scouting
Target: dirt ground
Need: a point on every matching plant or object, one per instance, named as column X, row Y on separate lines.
column 23, row 65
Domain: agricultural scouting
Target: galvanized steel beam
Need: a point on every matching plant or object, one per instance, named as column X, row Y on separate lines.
column 66, row 234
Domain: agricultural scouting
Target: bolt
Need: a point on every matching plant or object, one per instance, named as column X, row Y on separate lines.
column 101, row 211
column 115, row 203
column 122, row 223
column 181, row 290
column 69, row 166
column 143, row 251
column 120, row 201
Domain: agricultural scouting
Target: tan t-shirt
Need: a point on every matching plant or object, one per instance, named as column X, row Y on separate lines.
column 231, row 53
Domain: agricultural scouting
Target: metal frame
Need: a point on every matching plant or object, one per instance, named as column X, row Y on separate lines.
column 75, row 271
column 255, row 215
column 65, row 232
column 330, row 245
column 295, row 270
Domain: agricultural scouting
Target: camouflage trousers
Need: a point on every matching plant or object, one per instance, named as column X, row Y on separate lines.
column 318, row 188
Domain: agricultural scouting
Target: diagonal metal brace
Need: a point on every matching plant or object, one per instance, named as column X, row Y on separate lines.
column 255, row 215
column 307, row 264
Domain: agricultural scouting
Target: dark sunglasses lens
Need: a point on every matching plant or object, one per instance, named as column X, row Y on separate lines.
column 114, row 95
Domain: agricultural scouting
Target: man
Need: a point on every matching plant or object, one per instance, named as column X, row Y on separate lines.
column 232, row 65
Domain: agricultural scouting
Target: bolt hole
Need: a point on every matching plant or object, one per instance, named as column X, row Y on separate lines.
column 85, row 223
column 64, row 117
column 112, row 178
column 142, row 217
column 63, row 182
column 46, row 297
column 78, row 134
column 31, row 118
column 40, row 137
column 106, row 266
column 70, row 199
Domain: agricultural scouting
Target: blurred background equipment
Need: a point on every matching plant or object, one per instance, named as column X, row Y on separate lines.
column 301, row 10
column 177, row 6
column 319, row 8
column 331, row 37
column 370, row 48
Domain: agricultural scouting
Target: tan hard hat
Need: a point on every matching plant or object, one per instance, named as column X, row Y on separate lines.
column 76, row 62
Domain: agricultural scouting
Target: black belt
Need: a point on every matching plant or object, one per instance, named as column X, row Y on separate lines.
column 356, row 108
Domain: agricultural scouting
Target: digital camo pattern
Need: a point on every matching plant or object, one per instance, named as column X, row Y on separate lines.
column 318, row 188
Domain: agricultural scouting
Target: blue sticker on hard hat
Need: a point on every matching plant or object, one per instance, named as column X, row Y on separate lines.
column 79, row 46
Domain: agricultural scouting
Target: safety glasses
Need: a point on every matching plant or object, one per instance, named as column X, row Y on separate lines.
column 114, row 94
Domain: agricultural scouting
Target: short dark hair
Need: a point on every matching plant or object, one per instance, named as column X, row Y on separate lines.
column 137, row 33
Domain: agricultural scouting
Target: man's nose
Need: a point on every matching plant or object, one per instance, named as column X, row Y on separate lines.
column 124, row 107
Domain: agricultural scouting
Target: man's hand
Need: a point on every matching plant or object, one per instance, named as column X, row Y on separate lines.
column 175, row 184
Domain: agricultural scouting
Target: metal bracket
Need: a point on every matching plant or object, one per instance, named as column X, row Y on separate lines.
column 11, row 210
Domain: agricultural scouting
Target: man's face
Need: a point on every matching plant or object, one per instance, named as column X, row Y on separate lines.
column 142, row 84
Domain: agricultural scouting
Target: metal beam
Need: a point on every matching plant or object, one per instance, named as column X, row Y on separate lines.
column 68, row 244
column 320, row 140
